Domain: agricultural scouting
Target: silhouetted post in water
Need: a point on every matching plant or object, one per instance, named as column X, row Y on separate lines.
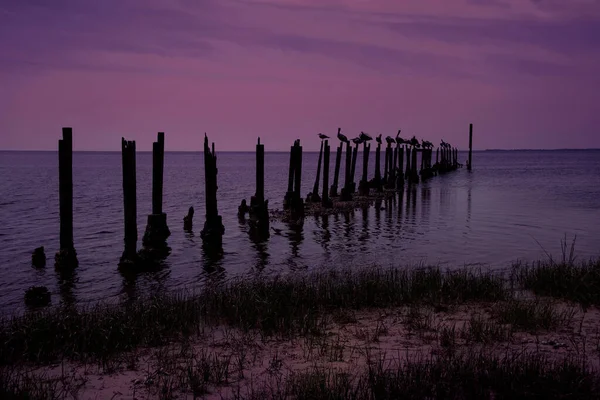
column 387, row 164
column 325, row 198
column 129, row 256
column 315, row 193
column 400, row 177
column 363, row 186
column 377, row 183
column 353, row 171
column 298, row 207
column 213, row 226
column 414, row 173
column 289, row 195
column 346, row 190
column 338, row 159
column 157, row 230
column 393, row 167
column 259, row 211
column 66, row 256
column 470, row 163
column 407, row 173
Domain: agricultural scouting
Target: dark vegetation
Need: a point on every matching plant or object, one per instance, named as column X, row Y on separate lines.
column 304, row 306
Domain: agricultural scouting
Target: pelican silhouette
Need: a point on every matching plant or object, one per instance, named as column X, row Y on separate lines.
column 364, row 137
column 390, row 140
column 357, row 140
column 426, row 144
column 322, row 137
column 414, row 142
column 378, row 138
column 342, row 137
column 399, row 140
column 444, row 144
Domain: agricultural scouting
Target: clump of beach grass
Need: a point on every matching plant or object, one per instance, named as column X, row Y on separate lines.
column 282, row 306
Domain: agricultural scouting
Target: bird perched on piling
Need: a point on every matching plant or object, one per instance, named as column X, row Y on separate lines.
column 323, row 137
column 342, row 137
column 444, row 144
column 415, row 142
column 390, row 140
column 399, row 140
column 426, row 144
column 357, row 140
column 364, row 137
column 378, row 138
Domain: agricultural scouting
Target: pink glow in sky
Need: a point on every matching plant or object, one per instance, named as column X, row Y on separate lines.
column 526, row 73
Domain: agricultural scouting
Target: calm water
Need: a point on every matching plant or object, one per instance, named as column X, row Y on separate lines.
column 510, row 207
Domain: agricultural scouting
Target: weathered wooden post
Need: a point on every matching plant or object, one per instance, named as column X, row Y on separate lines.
column 289, row 195
column 129, row 256
column 400, row 178
column 298, row 205
column 66, row 256
column 338, row 158
column 377, row 183
column 259, row 212
column 470, row 164
column 157, row 230
column 353, row 170
column 387, row 164
column 407, row 173
column 363, row 186
column 415, row 173
column 213, row 230
column 346, row 194
column 315, row 193
column 325, row 198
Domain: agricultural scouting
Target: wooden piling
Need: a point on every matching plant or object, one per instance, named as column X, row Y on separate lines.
column 400, row 178
column 298, row 171
column 364, row 182
column 346, row 193
column 353, row 170
column 325, row 197
column 338, row 158
column 157, row 230
column 66, row 256
column 470, row 164
column 213, row 230
column 260, row 172
column 315, row 193
column 129, row 202
column 407, row 173
column 377, row 185
column 387, row 164
column 414, row 173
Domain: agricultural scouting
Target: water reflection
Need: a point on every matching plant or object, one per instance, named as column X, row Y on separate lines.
column 67, row 278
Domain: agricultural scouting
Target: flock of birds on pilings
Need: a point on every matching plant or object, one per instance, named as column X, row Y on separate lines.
column 400, row 168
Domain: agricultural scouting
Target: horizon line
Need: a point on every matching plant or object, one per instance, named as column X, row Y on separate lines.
column 280, row 151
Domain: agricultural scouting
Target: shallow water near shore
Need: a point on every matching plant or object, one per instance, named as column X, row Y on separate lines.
column 513, row 205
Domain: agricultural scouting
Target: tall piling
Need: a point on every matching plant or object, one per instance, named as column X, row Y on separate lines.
column 377, row 183
column 315, row 193
column 346, row 193
column 259, row 213
column 363, row 188
column 353, row 170
column 387, row 164
column 212, row 233
column 470, row 164
column 414, row 172
column 338, row 158
column 129, row 255
column 325, row 197
column 66, row 256
column 157, row 230
column 407, row 173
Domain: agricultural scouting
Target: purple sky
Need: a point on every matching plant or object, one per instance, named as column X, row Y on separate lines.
column 526, row 73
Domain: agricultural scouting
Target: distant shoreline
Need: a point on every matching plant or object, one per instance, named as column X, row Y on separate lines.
column 282, row 151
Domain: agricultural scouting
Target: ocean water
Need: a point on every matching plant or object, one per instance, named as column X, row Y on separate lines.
column 514, row 205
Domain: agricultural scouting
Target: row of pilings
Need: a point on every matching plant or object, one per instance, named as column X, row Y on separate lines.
column 399, row 168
